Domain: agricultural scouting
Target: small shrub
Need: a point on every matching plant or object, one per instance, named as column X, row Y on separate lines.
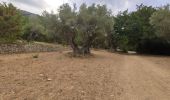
column 35, row 56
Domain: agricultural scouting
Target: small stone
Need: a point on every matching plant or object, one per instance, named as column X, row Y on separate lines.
column 12, row 91
column 112, row 95
column 71, row 87
column 41, row 74
column 49, row 79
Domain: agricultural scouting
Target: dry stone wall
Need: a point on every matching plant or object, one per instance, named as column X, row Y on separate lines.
column 26, row 48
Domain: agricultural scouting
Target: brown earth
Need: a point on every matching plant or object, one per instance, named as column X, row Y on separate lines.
column 106, row 76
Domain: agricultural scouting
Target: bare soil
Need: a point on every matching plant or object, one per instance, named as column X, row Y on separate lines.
column 105, row 76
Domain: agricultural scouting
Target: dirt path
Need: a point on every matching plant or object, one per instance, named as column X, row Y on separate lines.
column 106, row 76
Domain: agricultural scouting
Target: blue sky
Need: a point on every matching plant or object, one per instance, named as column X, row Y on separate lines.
column 37, row 6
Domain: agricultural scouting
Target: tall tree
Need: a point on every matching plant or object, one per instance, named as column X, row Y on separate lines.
column 10, row 22
column 85, row 26
column 52, row 26
column 161, row 21
column 122, row 31
column 135, row 26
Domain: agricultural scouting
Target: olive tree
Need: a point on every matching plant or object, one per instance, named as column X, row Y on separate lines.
column 81, row 28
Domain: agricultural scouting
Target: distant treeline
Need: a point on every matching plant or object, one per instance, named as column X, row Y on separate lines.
column 146, row 30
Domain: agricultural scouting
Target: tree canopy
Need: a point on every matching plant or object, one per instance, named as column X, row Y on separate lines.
column 145, row 30
column 85, row 27
column 161, row 22
column 134, row 27
column 10, row 22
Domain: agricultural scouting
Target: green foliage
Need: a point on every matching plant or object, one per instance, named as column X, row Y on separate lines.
column 33, row 30
column 89, row 26
column 145, row 30
column 10, row 23
column 154, row 46
column 121, row 29
column 123, row 43
column 161, row 21
column 135, row 26
column 52, row 26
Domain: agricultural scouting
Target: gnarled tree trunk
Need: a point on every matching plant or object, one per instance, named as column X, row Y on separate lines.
column 83, row 50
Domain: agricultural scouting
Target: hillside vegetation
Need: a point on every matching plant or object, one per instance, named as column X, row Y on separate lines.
column 146, row 30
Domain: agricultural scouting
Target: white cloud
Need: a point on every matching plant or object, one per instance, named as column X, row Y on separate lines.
column 54, row 4
column 33, row 3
